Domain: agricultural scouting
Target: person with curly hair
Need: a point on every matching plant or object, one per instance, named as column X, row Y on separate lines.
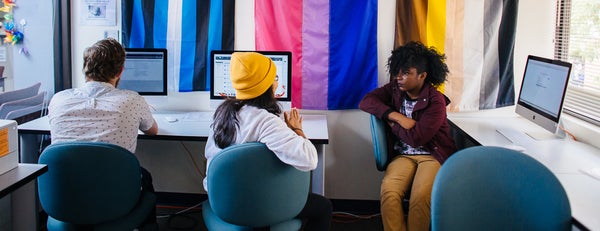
column 416, row 113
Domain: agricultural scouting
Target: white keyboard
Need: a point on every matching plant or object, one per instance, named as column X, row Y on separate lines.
column 514, row 136
column 198, row 116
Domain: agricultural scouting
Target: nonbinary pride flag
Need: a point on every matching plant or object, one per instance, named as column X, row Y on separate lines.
column 188, row 29
column 333, row 45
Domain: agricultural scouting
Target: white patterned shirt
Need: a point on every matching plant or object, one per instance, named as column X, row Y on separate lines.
column 99, row 112
column 402, row 147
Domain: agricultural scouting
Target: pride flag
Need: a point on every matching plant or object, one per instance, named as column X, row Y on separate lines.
column 188, row 29
column 333, row 45
column 478, row 38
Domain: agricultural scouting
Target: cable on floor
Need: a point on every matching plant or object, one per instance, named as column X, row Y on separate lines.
column 345, row 217
column 182, row 214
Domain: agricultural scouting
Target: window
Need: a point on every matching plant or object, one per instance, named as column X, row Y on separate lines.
column 577, row 40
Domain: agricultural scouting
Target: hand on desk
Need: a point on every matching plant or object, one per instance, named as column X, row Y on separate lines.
column 293, row 119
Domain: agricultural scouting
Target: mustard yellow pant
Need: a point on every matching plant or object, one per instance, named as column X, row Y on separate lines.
column 414, row 172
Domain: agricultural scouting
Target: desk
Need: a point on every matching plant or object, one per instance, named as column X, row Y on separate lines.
column 190, row 126
column 21, row 185
column 564, row 157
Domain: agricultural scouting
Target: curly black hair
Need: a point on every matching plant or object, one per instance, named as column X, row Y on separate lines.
column 423, row 58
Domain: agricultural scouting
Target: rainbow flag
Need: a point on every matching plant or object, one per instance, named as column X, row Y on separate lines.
column 478, row 38
column 188, row 29
column 333, row 45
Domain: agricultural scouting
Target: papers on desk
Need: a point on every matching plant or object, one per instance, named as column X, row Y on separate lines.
column 201, row 116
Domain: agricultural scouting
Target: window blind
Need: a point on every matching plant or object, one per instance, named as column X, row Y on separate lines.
column 577, row 40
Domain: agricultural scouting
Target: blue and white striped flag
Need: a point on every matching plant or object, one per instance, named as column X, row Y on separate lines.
column 188, row 29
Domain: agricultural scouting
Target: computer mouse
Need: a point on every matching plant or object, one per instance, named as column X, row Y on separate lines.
column 171, row 119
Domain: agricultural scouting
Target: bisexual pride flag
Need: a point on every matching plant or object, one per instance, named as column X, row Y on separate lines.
column 333, row 45
column 189, row 29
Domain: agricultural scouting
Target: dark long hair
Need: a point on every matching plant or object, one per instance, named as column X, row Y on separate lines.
column 225, row 120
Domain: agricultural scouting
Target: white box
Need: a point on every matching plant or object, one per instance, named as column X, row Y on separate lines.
column 9, row 146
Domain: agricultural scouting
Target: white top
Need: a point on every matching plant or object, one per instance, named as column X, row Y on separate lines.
column 99, row 112
column 261, row 126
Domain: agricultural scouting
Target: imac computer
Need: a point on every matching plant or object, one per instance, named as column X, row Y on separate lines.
column 145, row 71
column 220, row 83
column 542, row 94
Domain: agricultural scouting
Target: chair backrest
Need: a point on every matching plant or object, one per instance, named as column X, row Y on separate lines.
column 19, row 93
column 249, row 186
column 493, row 188
column 88, row 182
column 381, row 146
column 17, row 108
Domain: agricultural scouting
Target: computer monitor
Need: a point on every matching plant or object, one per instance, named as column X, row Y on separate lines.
column 221, row 83
column 145, row 71
column 543, row 91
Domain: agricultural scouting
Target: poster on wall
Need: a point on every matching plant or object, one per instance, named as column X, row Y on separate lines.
column 98, row 12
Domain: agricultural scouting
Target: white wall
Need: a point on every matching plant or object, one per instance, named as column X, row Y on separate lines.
column 349, row 163
column 38, row 65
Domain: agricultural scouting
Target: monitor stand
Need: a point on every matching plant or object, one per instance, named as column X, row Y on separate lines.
column 524, row 138
column 285, row 106
column 214, row 103
column 542, row 135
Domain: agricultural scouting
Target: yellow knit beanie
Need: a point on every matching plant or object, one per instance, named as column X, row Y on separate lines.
column 251, row 74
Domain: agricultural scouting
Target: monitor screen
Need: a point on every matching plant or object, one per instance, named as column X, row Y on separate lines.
column 543, row 91
column 221, row 83
column 145, row 71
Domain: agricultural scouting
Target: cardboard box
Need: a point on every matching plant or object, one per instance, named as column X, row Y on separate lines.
column 9, row 145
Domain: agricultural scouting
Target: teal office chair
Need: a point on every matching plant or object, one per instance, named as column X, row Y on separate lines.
column 92, row 186
column 381, row 147
column 493, row 188
column 249, row 187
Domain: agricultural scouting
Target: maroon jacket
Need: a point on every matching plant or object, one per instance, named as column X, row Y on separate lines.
column 431, row 131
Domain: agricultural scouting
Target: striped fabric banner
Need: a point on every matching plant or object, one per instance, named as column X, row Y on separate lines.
column 333, row 44
column 188, row 29
column 478, row 39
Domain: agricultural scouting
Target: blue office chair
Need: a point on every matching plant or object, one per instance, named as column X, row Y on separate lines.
column 493, row 188
column 248, row 186
column 381, row 147
column 92, row 186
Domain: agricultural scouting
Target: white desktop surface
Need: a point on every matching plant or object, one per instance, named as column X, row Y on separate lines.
column 189, row 126
column 564, row 157
column 196, row 125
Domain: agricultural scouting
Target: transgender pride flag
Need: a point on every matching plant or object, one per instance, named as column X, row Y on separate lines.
column 333, row 45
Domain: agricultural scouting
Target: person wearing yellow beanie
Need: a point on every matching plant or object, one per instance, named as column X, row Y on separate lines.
column 254, row 116
column 251, row 74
